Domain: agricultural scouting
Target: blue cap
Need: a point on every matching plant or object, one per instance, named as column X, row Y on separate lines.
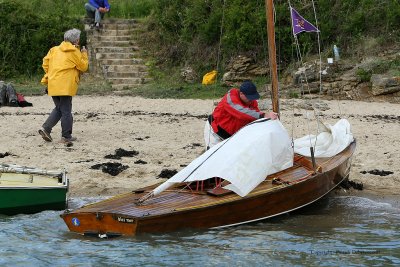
column 249, row 90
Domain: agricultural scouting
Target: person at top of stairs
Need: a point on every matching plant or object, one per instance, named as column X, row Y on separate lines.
column 96, row 9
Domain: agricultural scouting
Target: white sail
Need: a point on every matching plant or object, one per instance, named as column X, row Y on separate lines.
column 257, row 150
column 331, row 141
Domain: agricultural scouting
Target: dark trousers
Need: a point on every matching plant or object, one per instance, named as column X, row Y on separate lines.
column 93, row 13
column 63, row 112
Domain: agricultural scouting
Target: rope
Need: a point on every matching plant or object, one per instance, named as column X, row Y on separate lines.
column 220, row 36
column 300, row 58
column 227, row 140
column 218, row 62
column 316, row 115
column 151, row 194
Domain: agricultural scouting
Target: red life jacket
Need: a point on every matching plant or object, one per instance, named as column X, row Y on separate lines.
column 231, row 114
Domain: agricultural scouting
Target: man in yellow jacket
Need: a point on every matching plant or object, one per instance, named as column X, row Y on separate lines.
column 63, row 65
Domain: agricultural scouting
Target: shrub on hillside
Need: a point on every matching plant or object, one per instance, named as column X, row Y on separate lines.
column 26, row 38
column 189, row 30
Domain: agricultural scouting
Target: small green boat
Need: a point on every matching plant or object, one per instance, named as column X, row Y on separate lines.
column 30, row 190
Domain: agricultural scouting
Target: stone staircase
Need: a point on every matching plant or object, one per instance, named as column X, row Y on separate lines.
column 113, row 54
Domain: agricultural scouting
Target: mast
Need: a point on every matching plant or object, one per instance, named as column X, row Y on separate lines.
column 269, row 6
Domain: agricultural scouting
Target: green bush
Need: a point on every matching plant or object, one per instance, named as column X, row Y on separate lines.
column 189, row 31
column 29, row 28
column 26, row 38
column 187, row 25
column 364, row 75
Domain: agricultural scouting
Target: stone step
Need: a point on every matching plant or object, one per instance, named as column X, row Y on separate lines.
column 87, row 20
column 110, row 32
column 116, row 49
column 115, row 55
column 119, row 21
column 116, row 26
column 122, row 86
column 121, row 61
column 117, row 74
column 129, row 80
column 125, row 68
column 109, row 38
column 109, row 27
column 113, row 43
column 113, row 51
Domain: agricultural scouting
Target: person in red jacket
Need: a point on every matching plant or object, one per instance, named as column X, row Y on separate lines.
column 236, row 109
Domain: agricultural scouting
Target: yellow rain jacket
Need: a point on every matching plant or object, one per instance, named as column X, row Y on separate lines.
column 63, row 65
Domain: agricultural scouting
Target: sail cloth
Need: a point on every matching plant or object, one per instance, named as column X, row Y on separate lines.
column 331, row 141
column 257, row 150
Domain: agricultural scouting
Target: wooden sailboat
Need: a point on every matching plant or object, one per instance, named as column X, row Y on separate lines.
column 208, row 203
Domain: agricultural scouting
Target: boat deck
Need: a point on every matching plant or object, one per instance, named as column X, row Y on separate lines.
column 199, row 205
column 27, row 180
column 180, row 199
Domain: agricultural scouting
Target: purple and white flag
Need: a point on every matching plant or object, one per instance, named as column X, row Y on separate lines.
column 300, row 24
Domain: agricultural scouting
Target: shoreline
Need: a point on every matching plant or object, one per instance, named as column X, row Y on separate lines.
column 167, row 134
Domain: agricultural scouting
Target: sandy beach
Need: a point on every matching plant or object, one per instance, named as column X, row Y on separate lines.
column 164, row 135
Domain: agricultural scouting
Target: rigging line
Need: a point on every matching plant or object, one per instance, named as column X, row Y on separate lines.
column 277, row 63
column 265, row 54
column 273, row 73
column 264, row 48
column 319, row 48
column 320, row 66
column 316, row 115
column 307, row 84
column 151, row 194
column 227, row 140
column 293, row 104
column 302, row 86
column 220, row 36
column 301, row 81
column 218, row 62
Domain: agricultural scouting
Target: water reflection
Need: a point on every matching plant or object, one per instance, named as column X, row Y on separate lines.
column 336, row 231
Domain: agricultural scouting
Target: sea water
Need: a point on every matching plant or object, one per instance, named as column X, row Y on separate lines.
column 335, row 231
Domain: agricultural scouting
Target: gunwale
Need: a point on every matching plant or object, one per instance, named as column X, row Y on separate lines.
column 302, row 186
column 30, row 190
column 12, row 180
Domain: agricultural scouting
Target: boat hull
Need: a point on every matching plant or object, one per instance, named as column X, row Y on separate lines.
column 29, row 190
column 31, row 200
column 122, row 216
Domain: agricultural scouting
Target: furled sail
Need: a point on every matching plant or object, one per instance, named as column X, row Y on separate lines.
column 331, row 141
column 257, row 150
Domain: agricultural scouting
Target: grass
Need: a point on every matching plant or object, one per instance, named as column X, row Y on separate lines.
column 75, row 8
column 89, row 85
column 183, row 91
column 163, row 88
column 172, row 86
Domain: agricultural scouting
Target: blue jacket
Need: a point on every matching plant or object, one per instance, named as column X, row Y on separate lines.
column 99, row 3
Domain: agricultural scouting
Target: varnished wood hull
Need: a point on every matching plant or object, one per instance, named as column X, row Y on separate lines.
column 175, row 210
